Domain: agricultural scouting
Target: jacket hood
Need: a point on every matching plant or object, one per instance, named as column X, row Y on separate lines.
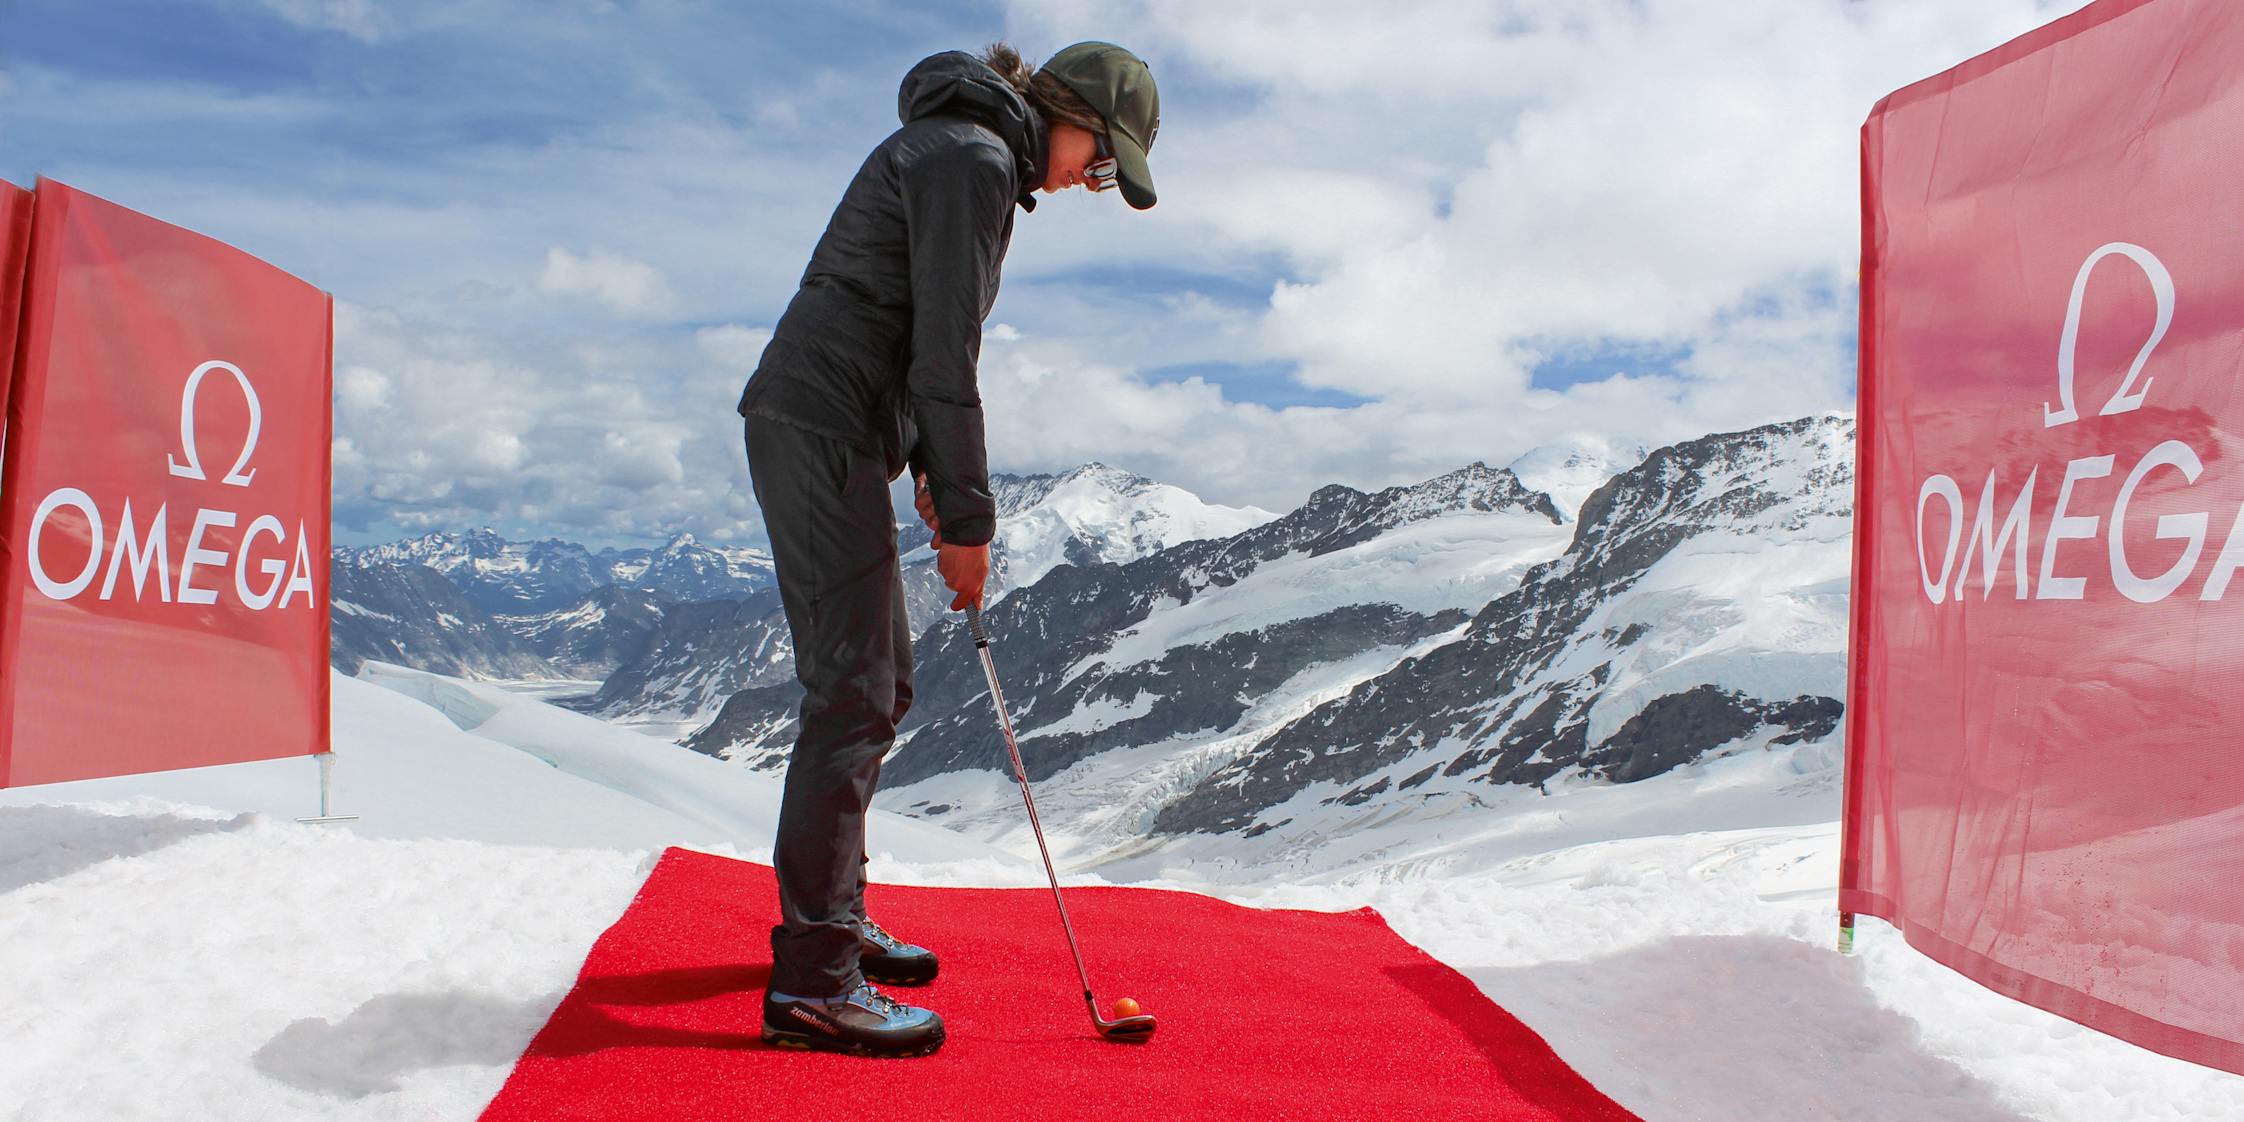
column 955, row 83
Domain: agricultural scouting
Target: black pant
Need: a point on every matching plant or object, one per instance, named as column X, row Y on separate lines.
column 833, row 545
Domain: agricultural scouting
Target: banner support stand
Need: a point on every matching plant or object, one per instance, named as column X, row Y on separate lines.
column 1846, row 933
column 326, row 788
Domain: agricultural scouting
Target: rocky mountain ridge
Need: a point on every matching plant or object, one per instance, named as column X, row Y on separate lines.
column 1516, row 699
column 1391, row 654
column 525, row 578
column 1088, row 639
column 670, row 633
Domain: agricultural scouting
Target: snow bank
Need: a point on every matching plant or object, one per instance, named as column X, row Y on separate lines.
column 175, row 946
column 165, row 959
column 168, row 962
column 420, row 755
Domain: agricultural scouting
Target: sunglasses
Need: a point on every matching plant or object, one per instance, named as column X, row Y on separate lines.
column 1099, row 174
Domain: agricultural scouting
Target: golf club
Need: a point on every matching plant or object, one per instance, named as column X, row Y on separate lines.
column 1132, row 1028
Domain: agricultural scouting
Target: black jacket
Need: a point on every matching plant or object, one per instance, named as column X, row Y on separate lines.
column 879, row 346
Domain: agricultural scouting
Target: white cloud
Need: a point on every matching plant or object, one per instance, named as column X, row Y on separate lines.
column 360, row 19
column 1414, row 202
column 733, row 345
column 1052, row 404
column 360, row 389
column 447, row 428
column 1462, row 188
column 627, row 287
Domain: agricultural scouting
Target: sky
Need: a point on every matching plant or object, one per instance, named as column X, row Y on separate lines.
column 1392, row 239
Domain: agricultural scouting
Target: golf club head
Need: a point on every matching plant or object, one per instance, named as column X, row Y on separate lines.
column 1131, row 1029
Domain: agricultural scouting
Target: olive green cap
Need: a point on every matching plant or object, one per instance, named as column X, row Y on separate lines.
column 1120, row 86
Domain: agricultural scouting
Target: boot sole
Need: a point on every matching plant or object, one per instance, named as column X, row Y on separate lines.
column 905, row 976
column 805, row 1042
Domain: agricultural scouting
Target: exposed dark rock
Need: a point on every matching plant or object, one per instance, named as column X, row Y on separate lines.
column 758, row 723
column 1193, row 689
column 531, row 578
column 1539, row 729
column 589, row 638
column 410, row 615
column 1679, row 728
column 699, row 654
column 1360, row 795
column 1049, row 640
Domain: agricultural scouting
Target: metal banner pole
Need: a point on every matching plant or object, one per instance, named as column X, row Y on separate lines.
column 326, row 788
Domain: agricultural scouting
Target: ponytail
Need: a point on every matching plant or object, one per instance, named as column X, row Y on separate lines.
column 1048, row 95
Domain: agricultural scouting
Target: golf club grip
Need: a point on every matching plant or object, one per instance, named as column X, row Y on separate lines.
column 974, row 624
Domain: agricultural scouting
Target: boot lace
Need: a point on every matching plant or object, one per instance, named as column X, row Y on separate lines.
column 877, row 934
column 880, row 1002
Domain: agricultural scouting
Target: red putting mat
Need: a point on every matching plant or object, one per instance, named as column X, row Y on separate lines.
column 1263, row 1015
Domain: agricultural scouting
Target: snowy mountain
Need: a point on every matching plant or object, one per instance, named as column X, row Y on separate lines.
column 494, row 574
column 408, row 613
column 1082, row 516
column 1569, row 472
column 590, row 638
column 412, row 615
column 1188, row 641
column 699, row 655
column 1700, row 609
column 525, row 578
column 1090, row 515
column 684, row 569
column 544, row 609
column 1417, row 654
column 1094, row 514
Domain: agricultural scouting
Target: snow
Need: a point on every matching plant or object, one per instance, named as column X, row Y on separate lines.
column 421, row 756
column 1460, row 560
column 1099, row 714
column 1764, row 614
column 1120, row 516
column 1569, row 472
column 352, row 609
column 174, row 946
column 1672, row 939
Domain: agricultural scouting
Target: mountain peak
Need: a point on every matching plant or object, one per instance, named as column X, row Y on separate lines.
column 1570, row 470
column 1476, row 486
column 1113, row 477
column 1017, row 494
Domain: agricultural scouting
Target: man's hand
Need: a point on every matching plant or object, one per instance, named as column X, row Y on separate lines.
column 925, row 501
column 965, row 569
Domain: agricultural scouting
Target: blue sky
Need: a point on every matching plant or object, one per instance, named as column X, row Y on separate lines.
column 1389, row 243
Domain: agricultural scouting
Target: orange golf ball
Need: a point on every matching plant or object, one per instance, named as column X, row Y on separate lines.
column 1125, row 1008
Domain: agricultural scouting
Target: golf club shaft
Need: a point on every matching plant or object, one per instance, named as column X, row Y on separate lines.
column 1028, row 799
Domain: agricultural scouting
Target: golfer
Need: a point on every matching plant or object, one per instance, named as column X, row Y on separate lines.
column 870, row 370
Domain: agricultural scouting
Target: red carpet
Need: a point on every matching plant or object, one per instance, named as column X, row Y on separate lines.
column 1264, row 1015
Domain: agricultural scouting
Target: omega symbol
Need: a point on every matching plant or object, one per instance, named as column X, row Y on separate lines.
column 2162, row 288
column 193, row 468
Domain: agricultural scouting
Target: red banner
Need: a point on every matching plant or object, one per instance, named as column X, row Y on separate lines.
column 164, row 503
column 2045, row 729
column 15, row 243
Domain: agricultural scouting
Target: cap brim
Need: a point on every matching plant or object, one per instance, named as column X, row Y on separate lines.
column 1130, row 168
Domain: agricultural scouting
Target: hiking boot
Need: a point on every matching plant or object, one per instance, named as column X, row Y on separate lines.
column 890, row 961
column 864, row 1022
